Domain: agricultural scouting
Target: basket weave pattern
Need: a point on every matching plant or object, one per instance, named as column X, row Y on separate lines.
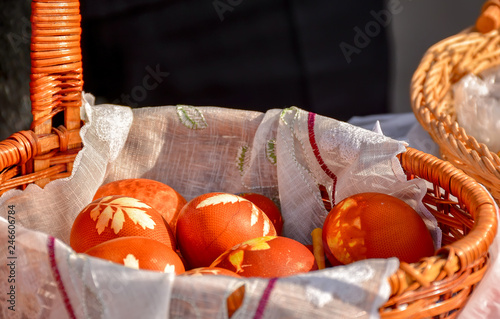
column 443, row 65
column 438, row 285
column 47, row 152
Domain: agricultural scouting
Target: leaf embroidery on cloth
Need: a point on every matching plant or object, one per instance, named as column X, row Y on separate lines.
column 115, row 210
column 191, row 117
column 271, row 151
column 241, row 158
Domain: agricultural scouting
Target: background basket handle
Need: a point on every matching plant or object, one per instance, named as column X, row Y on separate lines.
column 489, row 19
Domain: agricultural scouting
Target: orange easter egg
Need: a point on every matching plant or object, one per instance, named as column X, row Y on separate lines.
column 268, row 256
column 116, row 216
column 268, row 207
column 210, row 224
column 139, row 253
column 375, row 225
column 166, row 200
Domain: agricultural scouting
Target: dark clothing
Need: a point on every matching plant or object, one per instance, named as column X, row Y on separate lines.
column 245, row 54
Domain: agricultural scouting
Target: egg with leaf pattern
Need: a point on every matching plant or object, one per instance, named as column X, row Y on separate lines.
column 165, row 199
column 269, row 207
column 118, row 216
column 139, row 253
column 211, row 223
column 375, row 225
column 269, row 257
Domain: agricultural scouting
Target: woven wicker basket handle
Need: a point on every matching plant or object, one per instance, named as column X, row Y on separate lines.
column 56, row 63
column 56, row 86
column 489, row 19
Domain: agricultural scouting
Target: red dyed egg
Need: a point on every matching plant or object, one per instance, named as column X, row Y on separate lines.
column 211, row 271
column 269, row 256
column 139, row 253
column 268, row 207
column 166, row 200
column 118, row 216
column 375, row 225
column 210, row 224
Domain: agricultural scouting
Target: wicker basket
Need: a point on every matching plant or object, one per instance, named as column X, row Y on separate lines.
column 436, row 286
column 443, row 65
column 47, row 152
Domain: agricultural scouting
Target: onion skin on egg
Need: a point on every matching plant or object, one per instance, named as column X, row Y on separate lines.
column 269, row 257
column 211, row 223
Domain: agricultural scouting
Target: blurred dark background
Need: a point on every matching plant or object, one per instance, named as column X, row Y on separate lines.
column 249, row 54
column 15, row 33
column 334, row 58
